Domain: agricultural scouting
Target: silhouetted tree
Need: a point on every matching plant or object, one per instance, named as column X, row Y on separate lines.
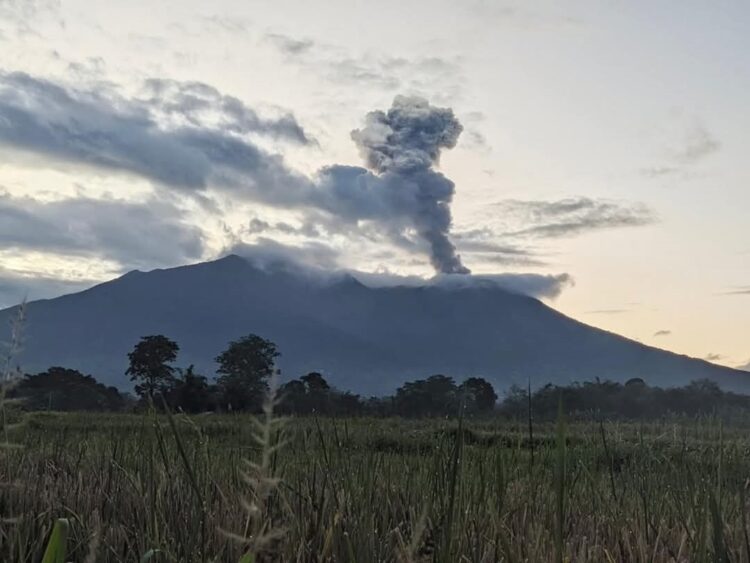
column 478, row 395
column 311, row 393
column 435, row 396
column 150, row 365
column 293, row 397
column 63, row 389
column 244, row 369
column 191, row 392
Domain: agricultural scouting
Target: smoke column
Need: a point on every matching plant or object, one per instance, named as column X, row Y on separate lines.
column 402, row 146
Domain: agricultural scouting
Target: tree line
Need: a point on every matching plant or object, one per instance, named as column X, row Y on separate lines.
column 246, row 366
column 241, row 384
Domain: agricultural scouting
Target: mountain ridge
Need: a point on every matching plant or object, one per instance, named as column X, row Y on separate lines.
column 363, row 338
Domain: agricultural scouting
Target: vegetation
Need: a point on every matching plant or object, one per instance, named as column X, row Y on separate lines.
column 150, row 367
column 375, row 489
column 438, row 472
column 61, row 389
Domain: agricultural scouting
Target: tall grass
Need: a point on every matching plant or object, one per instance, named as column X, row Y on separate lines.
column 219, row 488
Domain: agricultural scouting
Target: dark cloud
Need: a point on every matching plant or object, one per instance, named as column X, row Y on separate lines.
column 187, row 137
column 134, row 235
column 573, row 216
column 713, row 357
column 184, row 136
column 289, row 45
column 663, row 333
column 203, row 106
column 258, row 226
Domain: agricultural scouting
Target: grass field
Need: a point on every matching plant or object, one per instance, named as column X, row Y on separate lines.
column 217, row 488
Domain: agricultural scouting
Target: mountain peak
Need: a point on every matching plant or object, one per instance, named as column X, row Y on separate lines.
column 364, row 337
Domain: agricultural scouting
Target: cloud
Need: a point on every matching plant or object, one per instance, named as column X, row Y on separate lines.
column 745, row 367
column 690, row 145
column 310, row 257
column 21, row 17
column 738, row 291
column 663, row 333
column 533, row 285
column 713, row 357
column 436, row 76
column 289, row 45
column 258, row 226
column 185, row 136
column 148, row 234
column 403, row 145
column 189, row 138
column 573, row 216
column 699, row 143
column 482, row 244
column 322, row 263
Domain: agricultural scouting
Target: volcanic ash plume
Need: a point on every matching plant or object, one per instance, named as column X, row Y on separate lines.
column 402, row 146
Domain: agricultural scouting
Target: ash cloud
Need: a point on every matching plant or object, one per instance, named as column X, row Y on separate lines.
column 188, row 138
column 402, row 146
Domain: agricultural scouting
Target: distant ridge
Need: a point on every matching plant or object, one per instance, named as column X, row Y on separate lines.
column 365, row 339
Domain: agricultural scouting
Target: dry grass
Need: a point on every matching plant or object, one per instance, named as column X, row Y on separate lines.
column 131, row 485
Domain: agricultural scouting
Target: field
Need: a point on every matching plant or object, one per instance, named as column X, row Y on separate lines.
column 219, row 487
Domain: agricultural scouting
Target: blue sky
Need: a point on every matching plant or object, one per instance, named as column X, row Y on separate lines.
column 603, row 140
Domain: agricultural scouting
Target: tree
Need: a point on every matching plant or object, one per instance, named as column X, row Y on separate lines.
column 63, row 389
column 149, row 365
column 479, row 395
column 244, row 369
column 315, row 382
column 434, row 396
column 293, row 397
column 191, row 392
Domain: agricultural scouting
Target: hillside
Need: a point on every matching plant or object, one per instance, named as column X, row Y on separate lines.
column 364, row 339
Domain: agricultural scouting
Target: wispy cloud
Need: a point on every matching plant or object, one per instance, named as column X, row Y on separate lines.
column 663, row 333
column 741, row 290
column 437, row 77
column 694, row 144
column 573, row 216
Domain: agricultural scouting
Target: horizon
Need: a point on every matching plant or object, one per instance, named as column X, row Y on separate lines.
column 582, row 142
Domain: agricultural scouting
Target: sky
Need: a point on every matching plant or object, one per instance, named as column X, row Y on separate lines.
column 599, row 144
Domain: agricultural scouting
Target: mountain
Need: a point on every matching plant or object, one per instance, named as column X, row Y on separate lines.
column 365, row 339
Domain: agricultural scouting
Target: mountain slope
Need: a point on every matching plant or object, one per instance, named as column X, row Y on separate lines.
column 365, row 339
